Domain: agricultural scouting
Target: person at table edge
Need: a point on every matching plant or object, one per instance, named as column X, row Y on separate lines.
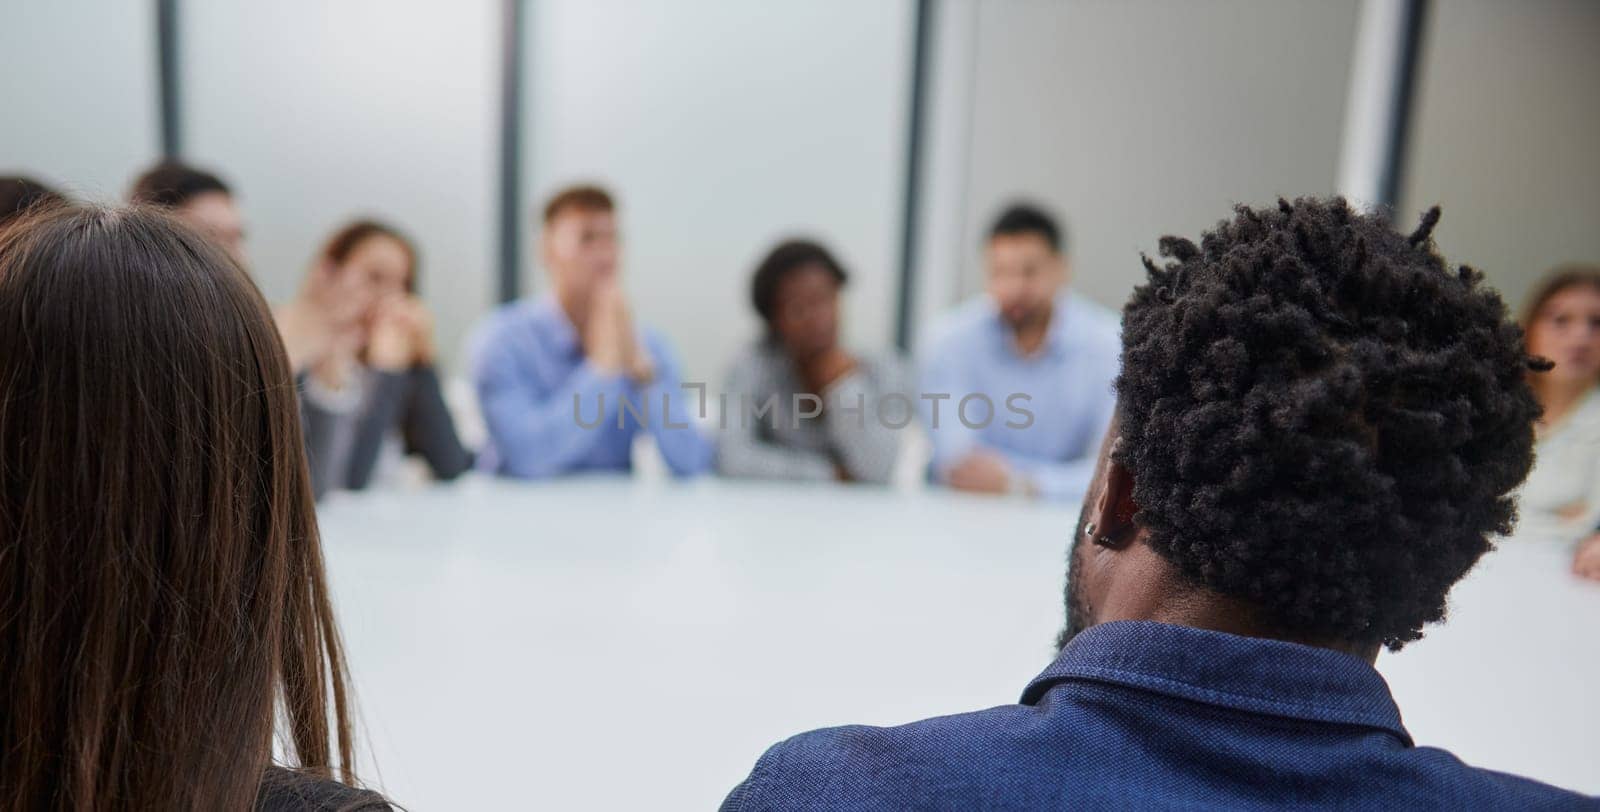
column 565, row 380
column 1275, row 502
column 1043, row 358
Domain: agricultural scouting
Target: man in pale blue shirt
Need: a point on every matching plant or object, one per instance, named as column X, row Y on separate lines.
column 1016, row 385
column 565, row 380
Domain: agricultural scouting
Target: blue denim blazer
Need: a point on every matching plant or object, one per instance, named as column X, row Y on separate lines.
column 1138, row 715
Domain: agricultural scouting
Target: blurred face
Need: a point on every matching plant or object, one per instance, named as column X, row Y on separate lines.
column 381, row 267
column 1024, row 275
column 580, row 249
column 1566, row 330
column 376, row 267
column 806, row 311
column 213, row 214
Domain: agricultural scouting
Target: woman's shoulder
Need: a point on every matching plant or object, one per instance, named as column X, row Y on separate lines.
column 1585, row 418
column 886, row 369
column 284, row 790
column 759, row 358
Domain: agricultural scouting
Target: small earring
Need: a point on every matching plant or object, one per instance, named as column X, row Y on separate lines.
column 1088, row 530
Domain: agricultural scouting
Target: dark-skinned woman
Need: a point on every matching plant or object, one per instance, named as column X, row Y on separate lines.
column 825, row 420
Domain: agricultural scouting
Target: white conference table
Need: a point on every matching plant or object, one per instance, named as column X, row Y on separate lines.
column 606, row 643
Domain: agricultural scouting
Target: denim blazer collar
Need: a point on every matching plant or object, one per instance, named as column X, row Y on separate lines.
column 1250, row 674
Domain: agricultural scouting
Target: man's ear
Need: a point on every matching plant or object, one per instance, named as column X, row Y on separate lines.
column 544, row 247
column 1114, row 510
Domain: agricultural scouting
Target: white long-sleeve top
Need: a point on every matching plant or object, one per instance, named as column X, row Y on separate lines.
column 1560, row 501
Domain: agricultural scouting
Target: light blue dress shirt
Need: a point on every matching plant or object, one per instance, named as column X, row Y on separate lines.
column 1066, row 386
column 549, row 411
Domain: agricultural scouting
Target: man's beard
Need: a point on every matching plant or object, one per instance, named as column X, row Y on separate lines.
column 1034, row 317
column 1077, row 609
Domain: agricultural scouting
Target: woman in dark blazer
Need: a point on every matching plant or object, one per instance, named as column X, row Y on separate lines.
column 372, row 395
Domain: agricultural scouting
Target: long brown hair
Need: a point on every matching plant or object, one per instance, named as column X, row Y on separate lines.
column 162, row 597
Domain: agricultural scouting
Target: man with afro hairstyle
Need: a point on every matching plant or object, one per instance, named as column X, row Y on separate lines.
column 1319, row 427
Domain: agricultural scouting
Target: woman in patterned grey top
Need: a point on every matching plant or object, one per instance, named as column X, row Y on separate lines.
column 798, row 405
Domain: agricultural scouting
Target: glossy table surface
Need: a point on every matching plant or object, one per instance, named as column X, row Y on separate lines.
column 614, row 643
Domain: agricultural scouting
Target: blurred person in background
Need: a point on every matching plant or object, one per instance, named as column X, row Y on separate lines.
column 21, row 195
column 199, row 199
column 370, row 394
column 165, row 610
column 552, row 372
column 1035, row 363
column 825, row 423
column 1561, row 500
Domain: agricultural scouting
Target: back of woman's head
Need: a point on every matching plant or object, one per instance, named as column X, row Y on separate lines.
column 19, row 196
column 161, row 582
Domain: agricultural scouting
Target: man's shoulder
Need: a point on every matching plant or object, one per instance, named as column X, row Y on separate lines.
column 507, row 332
column 505, row 317
column 1040, row 756
column 1090, row 322
column 960, row 324
column 945, row 759
column 509, row 316
column 1431, row 775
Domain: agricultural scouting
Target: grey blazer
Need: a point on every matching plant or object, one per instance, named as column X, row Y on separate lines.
column 342, row 446
column 788, row 442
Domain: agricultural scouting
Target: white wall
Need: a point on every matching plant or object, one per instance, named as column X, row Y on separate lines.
column 723, row 126
column 1136, row 119
column 78, row 97
column 316, row 112
column 1506, row 137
